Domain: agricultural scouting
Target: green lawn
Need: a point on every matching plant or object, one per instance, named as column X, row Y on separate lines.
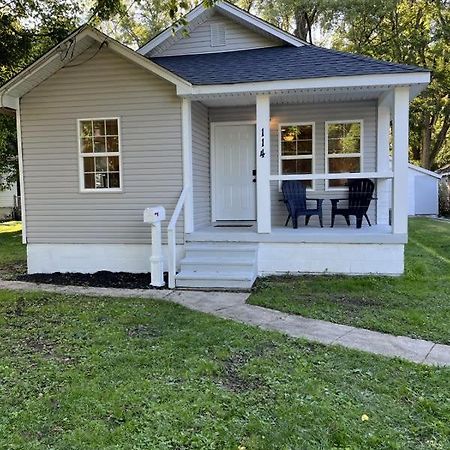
column 12, row 252
column 416, row 304
column 96, row 373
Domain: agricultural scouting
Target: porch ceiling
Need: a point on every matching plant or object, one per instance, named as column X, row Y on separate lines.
column 307, row 96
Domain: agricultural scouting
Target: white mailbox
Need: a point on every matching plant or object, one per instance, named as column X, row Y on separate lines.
column 155, row 214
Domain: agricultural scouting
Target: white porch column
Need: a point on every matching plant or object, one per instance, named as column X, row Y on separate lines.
column 263, row 207
column 400, row 129
column 186, row 125
column 383, row 132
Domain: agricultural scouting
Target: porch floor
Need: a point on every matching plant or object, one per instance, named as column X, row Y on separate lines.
column 235, row 232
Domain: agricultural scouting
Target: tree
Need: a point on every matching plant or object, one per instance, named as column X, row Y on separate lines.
column 415, row 32
column 296, row 16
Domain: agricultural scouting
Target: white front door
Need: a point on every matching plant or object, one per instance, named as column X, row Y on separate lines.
column 234, row 162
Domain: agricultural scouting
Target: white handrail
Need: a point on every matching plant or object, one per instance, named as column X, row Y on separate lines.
column 334, row 176
column 171, row 238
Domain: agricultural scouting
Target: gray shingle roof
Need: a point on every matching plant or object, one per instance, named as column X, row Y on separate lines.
column 274, row 64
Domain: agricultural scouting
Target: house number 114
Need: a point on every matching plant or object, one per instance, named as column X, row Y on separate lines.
column 262, row 153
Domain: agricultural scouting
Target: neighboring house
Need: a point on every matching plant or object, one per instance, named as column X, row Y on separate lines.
column 213, row 121
column 7, row 201
column 423, row 191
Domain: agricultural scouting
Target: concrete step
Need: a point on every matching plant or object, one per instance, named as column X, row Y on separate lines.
column 218, row 265
column 211, row 249
column 218, row 280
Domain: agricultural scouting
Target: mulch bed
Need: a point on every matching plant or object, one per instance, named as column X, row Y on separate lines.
column 99, row 279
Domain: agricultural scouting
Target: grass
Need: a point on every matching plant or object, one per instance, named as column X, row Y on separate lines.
column 97, row 373
column 12, row 252
column 416, row 304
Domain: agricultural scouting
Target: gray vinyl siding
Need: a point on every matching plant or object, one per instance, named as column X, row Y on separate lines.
column 319, row 114
column 201, row 164
column 238, row 37
column 150, row 119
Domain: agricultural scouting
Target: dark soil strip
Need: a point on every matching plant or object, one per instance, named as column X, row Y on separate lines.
column 99, row 279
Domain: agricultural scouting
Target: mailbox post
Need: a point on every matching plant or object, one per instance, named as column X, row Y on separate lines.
column 154, row 216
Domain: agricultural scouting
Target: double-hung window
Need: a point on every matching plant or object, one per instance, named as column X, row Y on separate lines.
column 99, row 143
column 297, row 150
column 343, row 142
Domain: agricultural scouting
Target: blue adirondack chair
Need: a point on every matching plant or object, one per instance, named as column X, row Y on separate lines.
column 360, row 194
column 294, row 197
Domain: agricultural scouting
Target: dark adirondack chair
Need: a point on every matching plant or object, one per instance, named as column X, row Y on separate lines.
column 294, row 197
column 360, row 194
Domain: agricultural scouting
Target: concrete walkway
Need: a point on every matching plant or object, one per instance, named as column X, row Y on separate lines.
column 229, row 305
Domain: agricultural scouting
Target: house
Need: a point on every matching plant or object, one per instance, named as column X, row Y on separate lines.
column 423, row 191
column 7, row 201
column 208, row 124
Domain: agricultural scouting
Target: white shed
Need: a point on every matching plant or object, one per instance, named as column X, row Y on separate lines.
column 423, row 191
column 7, row 199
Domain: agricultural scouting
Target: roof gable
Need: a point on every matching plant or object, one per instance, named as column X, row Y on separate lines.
column 65, row 52
column 201, row 13
column 200, row 39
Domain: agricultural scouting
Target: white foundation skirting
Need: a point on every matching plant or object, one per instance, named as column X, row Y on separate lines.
column 91, row 258
column 355, row 259
column 273, row 258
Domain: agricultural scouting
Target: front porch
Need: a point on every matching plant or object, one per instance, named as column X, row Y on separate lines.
column 239, row 148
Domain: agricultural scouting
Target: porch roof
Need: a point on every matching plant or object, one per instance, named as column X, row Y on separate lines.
column 276, row 64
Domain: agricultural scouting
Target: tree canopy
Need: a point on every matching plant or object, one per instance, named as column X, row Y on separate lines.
column 406, row 31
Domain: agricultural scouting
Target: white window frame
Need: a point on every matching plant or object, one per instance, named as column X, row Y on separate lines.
column 82, row 155
column 312, row 157
column 343, row 155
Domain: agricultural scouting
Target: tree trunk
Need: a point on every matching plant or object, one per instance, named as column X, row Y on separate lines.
column 301, row 25
column 425, row 157
column 304, row 21
column 440, row 139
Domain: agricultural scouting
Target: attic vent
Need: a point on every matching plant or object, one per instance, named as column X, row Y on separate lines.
column 218, row 35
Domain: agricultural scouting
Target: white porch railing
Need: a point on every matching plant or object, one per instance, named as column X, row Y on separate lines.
column 334, row 176
column 171, row 238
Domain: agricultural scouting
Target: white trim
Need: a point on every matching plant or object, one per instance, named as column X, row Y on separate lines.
column 296, row 157
column 172, row 237
column 343, row 155
column 272, row 87
column 400, row 132
column 21, row 173
column 82, row 155
column 186, row 127
column 229, row 10
column 263, row 157
column 212, row 162
column 382, row 158
column 7, row 101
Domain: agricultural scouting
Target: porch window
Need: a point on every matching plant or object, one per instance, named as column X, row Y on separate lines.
column 297, row 150
column 100, row 165
column 343, row 149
